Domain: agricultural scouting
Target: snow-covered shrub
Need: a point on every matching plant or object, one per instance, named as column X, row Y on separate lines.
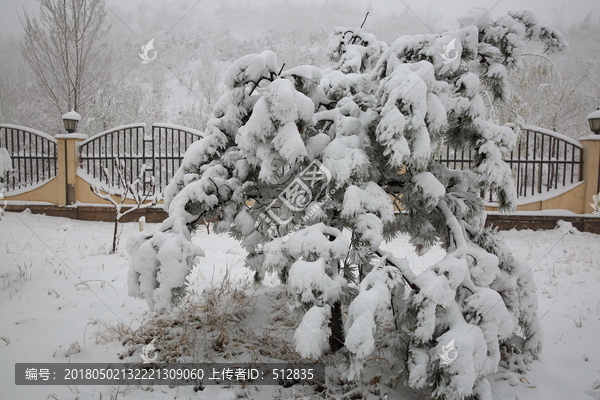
column 374, row 121
column 5, row 168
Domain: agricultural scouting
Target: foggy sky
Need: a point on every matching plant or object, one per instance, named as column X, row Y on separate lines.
column 570, row 10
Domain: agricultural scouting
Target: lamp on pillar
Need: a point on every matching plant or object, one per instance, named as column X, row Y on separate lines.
column 71, row 119
column 594, row 120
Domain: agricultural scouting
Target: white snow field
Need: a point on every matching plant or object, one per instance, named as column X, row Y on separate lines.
column 64, row 299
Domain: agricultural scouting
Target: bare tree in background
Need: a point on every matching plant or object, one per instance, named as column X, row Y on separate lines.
column 67, row 49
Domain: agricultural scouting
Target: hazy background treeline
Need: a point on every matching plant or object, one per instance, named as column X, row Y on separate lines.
column 182, row 84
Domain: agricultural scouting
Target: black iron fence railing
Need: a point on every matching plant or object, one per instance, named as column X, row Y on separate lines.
column 170, row 144
column 97, row 154
column 160, row 152
column 33, row 154
column 541, row 161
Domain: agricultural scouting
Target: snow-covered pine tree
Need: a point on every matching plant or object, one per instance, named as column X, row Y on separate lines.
column 292, row 160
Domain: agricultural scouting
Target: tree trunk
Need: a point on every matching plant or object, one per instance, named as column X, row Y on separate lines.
column 398, row 304
column 336, row 324
column 114, row 246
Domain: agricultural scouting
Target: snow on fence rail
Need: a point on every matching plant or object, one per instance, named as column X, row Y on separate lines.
column 542, row 161
column 161, row 150
column 33, row 154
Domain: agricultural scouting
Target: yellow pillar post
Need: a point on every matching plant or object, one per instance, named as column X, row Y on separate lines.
column 68, row 161
column 591, row 169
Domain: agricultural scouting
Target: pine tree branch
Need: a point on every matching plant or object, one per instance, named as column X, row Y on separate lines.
column 409, row 276
column 456, row 230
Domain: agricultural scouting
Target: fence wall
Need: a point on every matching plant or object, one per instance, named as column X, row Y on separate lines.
column 575, row 197
column 551, row 171
column 544, row 161
column 33, row 155
column 81, row 161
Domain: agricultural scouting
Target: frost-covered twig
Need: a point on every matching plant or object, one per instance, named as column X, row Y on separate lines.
column 142, row 201
column 364, row 20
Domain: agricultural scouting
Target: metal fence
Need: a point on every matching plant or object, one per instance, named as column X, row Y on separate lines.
column 160, row 152
column 33, row 154
column 170, row 145
column 541, row 161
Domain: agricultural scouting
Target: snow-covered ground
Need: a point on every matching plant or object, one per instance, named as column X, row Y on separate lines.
column 62, row 295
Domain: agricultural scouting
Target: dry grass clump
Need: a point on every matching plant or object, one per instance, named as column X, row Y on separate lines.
column 229, row 321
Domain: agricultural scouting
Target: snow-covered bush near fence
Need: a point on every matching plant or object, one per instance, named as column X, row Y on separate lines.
column 5, row 168
column 375, row 120
column 5, row 165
